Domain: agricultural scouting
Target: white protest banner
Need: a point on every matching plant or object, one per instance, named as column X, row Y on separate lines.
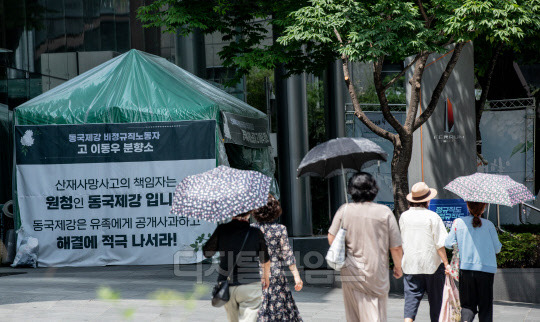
column 100, row 194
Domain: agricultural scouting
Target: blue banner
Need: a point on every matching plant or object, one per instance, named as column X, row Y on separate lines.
column 449, row 209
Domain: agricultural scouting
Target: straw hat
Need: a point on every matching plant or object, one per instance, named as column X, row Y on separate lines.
column 420, row 192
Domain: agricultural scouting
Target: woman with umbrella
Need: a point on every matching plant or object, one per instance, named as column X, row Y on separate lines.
column 478, row 243
column 372, row 232
column 216, row 196
column 278, row 303
column 237, row 242
column 477, row 240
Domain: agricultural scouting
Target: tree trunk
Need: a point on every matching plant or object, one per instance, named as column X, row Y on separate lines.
column 400, row 172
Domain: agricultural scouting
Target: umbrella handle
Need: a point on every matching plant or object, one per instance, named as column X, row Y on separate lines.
column 344, row 184
column 499, row 220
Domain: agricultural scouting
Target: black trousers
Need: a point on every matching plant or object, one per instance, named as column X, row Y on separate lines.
column 476, row 295
column 418, row 284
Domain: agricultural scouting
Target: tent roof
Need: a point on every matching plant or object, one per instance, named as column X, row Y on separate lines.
column 133, row 87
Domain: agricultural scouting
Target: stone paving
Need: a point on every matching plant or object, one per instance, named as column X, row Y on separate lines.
column 70, row 294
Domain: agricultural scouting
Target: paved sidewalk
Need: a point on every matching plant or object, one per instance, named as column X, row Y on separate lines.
column 69, row 294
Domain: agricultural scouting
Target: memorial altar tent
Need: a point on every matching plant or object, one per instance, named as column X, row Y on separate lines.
column 97, row 159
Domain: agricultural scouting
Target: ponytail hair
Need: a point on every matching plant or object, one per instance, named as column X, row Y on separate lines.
column 476, row 209
column 476, row 222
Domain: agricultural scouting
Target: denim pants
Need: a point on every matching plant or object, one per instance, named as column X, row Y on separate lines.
column 415, row 285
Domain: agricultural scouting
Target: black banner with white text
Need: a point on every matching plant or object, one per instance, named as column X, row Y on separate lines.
column 100, row 194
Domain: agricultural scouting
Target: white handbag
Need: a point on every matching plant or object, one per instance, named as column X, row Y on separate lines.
column 337, row 253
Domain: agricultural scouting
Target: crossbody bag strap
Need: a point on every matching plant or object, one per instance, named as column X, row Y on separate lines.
column 237, row 256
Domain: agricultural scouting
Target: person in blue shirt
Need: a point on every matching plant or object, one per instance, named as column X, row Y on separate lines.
column 478, row 243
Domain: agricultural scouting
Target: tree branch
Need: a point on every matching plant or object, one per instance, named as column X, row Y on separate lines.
column 416, row 87
column 423, row 12
column 487, row 78
column 383, row 100
column 338, row 36
column 357, row 109
column 440, row 86
column 393, row 80
column 450, row 41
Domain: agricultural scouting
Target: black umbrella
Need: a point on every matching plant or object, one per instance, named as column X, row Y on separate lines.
column 339, row 156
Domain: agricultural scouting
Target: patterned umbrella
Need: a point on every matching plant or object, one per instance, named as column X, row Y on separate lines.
column 221, row 193
column 490, row 188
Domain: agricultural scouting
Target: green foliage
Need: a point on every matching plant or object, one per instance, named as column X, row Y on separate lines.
column 107, row 293
column 519, row 250
column 165, row 297
column 371, row 29
column 396, row 29
column 256, row 94
column 199, row 242
column 312, row 33
column 368, row 96
column 245, row 24
column 171, row 298
column 522, row 148
column 507, row 24
column 394, row 94
column 316, row 117
column 506, row 21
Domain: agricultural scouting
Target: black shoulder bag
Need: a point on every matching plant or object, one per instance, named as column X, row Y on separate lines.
column 220, row 294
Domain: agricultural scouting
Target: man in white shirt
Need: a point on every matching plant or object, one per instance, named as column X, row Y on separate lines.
column 424, row 256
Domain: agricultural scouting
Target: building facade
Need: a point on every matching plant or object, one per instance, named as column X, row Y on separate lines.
column 46, row 42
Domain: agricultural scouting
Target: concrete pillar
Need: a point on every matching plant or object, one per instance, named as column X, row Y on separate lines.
column 336, row 96
column 292, row 139
column 190, row 53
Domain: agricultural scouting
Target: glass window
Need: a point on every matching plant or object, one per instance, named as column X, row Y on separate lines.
column 17, row 87
column 74, row 21
column 3, row 84
column 56, row 27
column 122, row 25
column 107, row 26
column 92, row 22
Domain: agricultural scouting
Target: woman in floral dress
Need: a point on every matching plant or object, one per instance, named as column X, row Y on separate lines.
column 278, row 303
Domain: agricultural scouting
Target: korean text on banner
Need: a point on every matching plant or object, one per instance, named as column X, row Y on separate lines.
column 449, row 209
column 100, row 194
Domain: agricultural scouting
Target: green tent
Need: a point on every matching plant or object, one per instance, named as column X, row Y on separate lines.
column 140, row 87
column 133, row 87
